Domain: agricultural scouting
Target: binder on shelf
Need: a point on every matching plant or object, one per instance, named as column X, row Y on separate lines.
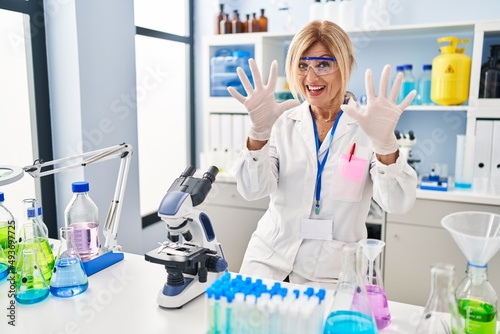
column 226, row 135
column 215, row 138
column 239, row 133
column 495, row 158
column 483, row 150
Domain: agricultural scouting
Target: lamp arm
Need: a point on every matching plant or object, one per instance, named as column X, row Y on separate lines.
column 122, row 151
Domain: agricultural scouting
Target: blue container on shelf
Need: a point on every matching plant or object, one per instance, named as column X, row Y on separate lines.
column 223, row 71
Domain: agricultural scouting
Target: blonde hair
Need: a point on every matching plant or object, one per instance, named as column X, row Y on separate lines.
column 334, row 38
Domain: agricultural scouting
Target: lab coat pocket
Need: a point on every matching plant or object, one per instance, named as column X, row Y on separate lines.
column 350, row 175
column 265, row 236
column 329, row 261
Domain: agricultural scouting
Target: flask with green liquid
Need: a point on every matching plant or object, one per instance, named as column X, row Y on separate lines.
column 477, row 301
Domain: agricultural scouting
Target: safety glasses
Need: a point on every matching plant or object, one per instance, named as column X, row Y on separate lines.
column 320, row 65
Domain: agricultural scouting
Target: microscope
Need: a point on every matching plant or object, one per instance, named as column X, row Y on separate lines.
column 406, row 142
column 192, row 256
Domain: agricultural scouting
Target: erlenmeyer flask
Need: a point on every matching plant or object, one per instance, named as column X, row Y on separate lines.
column 4, row 265
column 32, row 203
column 31, row 287
column 68, row 278
column 372, row 249
column 441, row 312
column 477, row 301
column 29, row 238
column 350, row 311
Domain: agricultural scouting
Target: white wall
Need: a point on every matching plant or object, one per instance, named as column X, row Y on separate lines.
column 91, row 55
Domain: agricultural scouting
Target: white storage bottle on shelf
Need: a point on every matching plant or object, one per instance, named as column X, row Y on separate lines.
column 331, row 11
column 316, row 11
column 370, row 10
column 346, row 15
column 82, row 214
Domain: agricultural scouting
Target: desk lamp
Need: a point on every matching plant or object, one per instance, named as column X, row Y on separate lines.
column 110, row 253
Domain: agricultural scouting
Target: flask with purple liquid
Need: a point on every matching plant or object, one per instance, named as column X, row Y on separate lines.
column 82, row 214
column 373, row 280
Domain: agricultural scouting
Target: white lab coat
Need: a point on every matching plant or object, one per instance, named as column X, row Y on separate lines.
column 286, row 168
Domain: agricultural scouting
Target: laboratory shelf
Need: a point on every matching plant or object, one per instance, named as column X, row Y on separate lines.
column 462, row 196
column 438, row 108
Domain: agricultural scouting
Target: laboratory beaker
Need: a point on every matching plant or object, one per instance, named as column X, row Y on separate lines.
column 30, row 238
column 350, row 311
column 372, row 249
column 441, row 311
column 4, row 265
column 68, row 278
column 31, row 287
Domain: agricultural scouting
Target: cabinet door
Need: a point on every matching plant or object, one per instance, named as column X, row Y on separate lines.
column 415, row 241
column 410, row 252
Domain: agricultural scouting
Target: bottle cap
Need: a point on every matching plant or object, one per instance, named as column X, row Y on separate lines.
column 31, row 212
column 39, row 210
column 408, row 67
column 427, row 67
column 2, row 198
column 399, row 68
column 80, row 187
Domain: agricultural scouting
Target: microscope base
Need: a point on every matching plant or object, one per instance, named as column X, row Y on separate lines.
column 176, row 297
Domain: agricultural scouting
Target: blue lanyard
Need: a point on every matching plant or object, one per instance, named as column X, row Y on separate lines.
column 321, row 165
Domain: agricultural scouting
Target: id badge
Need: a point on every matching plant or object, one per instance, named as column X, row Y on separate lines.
column 318, row 229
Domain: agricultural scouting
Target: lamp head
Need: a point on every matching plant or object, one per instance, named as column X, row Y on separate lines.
column 10, row 174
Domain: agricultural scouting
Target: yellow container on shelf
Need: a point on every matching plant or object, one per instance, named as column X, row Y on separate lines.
column 450, row 73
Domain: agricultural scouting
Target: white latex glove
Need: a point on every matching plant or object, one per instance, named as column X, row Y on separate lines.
column 259, row 102
column 381, row 114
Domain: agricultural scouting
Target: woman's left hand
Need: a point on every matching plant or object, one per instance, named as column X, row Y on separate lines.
column 381, row 114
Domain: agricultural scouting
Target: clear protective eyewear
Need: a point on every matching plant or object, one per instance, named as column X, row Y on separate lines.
column 320, row 65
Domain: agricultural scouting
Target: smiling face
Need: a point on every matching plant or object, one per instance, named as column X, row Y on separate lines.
column 322, row 91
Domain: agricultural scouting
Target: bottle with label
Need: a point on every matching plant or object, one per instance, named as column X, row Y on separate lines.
column 82, row 214
column 219, row 17
column 346, row 15
column 400, row 97
column 424, row 86
column 316, row 11
column 244, row 24
column 262, row 21
column 331, row 11
column 477, row 301
column 7, row 223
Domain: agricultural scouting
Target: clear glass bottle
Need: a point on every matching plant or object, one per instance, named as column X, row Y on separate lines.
column 372, row 248
column 30, row 237
column 424, row 86
column 31, row 286
column 441, row 312
column 33, row 203
column 477, row 301
column 350, row 311
column 68, row 278
column 262, row 21
column 82, row 214
column 400, row 97
column 7, row 223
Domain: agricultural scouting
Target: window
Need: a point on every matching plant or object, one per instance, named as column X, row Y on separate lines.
column 24, row 103
column 164, row 58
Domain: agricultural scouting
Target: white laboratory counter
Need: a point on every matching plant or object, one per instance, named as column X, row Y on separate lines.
column 122, row 299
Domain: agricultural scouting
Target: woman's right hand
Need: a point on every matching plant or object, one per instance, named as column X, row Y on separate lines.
column 259, row 102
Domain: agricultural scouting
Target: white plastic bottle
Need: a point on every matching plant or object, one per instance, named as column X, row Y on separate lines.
column 370, row 9
column 331, row 11
column 346, row 15
column 316, row 11
column 82, row 214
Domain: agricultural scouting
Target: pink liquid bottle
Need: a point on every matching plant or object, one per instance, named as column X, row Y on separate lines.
column 82, row 214
column 374, row 286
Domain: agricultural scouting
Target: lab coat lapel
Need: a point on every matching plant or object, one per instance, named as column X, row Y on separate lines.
column 303, row 121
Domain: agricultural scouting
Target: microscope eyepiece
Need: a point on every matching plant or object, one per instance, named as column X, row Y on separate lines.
column 211, row 173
